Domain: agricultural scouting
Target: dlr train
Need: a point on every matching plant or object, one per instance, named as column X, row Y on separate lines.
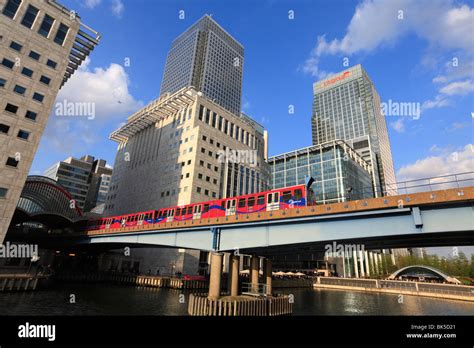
column 278, row 199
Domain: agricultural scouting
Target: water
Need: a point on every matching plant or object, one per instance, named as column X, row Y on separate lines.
column 99, row 299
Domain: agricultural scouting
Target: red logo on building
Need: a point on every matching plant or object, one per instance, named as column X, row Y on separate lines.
column 337, row 78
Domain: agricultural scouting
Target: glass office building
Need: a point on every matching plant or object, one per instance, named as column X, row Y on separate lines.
column 340, row 173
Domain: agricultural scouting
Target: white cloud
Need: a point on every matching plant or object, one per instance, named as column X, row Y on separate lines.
column 117, row 8
column 398, row 125
column 447, row 162
column 438, row 102
column 91, row 3
column 458, row 88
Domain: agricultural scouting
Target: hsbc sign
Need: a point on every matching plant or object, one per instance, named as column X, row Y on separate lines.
column 337, row 78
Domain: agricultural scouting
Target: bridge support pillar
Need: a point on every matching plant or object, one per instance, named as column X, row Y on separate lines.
column 392, row 255
column 361, row 260
column 234, row 275
column 381, row 263
column 356, row 271
column 216, row 274
column 367, row 265
column 376, row 258
column 267, row 272
column 254, row 263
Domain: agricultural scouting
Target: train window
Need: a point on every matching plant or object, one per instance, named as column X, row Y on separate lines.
column 206, row 208
column 223, row 204
column 286, row 196
column 251, row 201
column 160, row 214
column 190, row 210
column 178, row 211
column 270, row 198
column 241, row 202
column 298, row 194
column 261, row 200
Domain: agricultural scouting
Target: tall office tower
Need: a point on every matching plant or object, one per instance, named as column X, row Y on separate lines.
column 347, row 107
column 86, row 179
column 41, row 45
column 184, row 148
column 207, row 57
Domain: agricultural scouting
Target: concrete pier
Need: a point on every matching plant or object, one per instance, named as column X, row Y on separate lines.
column 216, row 274
column 254, row 269
column 234, row 275
column 267, row 274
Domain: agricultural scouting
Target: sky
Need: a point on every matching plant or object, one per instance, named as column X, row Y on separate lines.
column 417, row 52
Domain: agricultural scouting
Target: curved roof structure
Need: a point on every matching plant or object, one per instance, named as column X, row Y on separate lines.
column 43, row 197
column 423, row 271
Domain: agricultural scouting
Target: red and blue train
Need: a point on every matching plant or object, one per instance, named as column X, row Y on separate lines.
column 278, row 199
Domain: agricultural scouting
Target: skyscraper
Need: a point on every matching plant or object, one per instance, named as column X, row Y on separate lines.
column 347, row 107
column 41, row 45
column 207, row 57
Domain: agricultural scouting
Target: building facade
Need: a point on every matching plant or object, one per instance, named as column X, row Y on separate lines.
column 347, row 106
column 190, row 149
column 86, row 179
column 207, row 57
column 340, row 173
column 41, row 45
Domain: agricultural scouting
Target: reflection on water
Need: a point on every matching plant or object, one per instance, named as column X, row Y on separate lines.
column 95, row 299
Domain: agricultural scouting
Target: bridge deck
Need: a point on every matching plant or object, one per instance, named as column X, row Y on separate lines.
column 465, row 194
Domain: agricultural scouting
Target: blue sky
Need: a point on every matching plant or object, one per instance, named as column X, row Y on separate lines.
column 423, row 54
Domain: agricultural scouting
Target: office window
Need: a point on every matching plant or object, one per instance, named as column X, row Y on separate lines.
column 27, row 72
column 3, row 82
column 51, row 63
column 11, row 108
column 7, row 63
column 4, row 128
column 3, row 192
column 38, row 97
column 23, row 134
column 19, row 89
column 11, row 8
column 44, row 79
column 31, row 115
column 30, row 16
column 46, row 25
column 15, row 46
column 198, row 189
column 34, row 55
column 12, row 162
column 61, row 34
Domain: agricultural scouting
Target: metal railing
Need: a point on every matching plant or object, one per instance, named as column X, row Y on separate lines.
column 252, row 289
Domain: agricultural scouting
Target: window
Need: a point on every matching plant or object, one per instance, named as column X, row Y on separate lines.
column 3, row 192
column 298, row 194
column 61, row 34
column 199, row 176
column 206, row 192
column 23, row 134
column 7, row 63
column 31, row 115
column 198, row 189
column 251, row 201
column 11, row 108
column 12, row 162
column 203, row 150
column 30, row 16
column 261, row 200
column 38, row 97
column 190, row 210
column 208, row 179
column 241, row 202
column 201, row 163
column 44, row 79
column 19, row 89
column 46, row 25
column 286, row 196
column 34, row 55
column 11, row 7
column 3, row 82
column 15, row 46
column 4, row 128
column 204, row 138
column 51, row 63
column 206, row 208
column 27, row 72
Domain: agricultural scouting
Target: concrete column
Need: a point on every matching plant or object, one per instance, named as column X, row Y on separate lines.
column 254, row 263
column 234, row 275
column 376, row 258
column 361, row 260
column 216, row 273
column 367, row 265
column 392, row 255
column 381, row 264
column 267, row 269
column 356, row 271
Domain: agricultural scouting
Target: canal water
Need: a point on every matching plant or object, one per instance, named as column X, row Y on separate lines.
column 99, row 299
